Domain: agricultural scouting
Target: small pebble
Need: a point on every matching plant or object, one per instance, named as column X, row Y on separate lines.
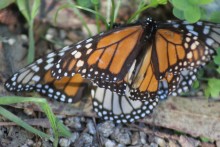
column 106, row 128
column 121, row 145
column 188, row 141
column 152, row 144
column 62, row 34
column 109, row 143
column 92, row 28
column 218, row 143
column 173, row 143
column 73, row 122
column 29, row 142
column 67, row 42
column 161, row 142
column 143, row 137
column 91, row 127
column 84, row 140
column 1, row 133
column 74, row 137
column 11, row 41
column 51, row 33
column 135, row 139
column 64, row 142
column 122, row 135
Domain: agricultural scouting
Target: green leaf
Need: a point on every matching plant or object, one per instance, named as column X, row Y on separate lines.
column 162, row 2
column 23, row 6
column 213, row 89
column 35, row 8
column 215, row 17
column 194, row 2
column 155, row 3
column 218, row 69
column 204, row 139
column 95, row 2
column 178, row 13
column 192, row 14
column 205, row 2
column 217, row 59
column 196, row 84
column 85, row 3
column 5, row 3
column 180, row 4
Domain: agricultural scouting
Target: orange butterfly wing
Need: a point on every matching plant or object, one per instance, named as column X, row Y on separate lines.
column 107, row 56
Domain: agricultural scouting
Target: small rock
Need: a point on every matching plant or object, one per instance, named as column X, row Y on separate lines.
column 188, row 141
column 218, row 143
column 121, row 135
column 72, row 36
column 109, row 143
column 153, row 144
column 73, row 122
column 92, row 28
column 67, row 42
column 161, row 142
column 51, row 33
column 64, row 142
column 29, row 111
column 173, row 143
column 84, row 140
column 143, row 137
column 120, row 145
column 206, row 144
column 74, row 137
column 29, row 142
column 106, row 129
column 135, row 140
column 1, row 133
column 11, row 41
column 91, row 127
column 62, row 34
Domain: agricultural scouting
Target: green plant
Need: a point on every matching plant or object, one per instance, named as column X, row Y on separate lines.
column 29, row 12
column 58, row 128
column 183, row 9
column 214, row 83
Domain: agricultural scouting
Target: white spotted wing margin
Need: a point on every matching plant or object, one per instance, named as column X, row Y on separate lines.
column 37, row 77
column 110, row 106
column 28, row 77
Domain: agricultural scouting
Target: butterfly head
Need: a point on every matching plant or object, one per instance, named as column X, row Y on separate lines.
column 149, row 26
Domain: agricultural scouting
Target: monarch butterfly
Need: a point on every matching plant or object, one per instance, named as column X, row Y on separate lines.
column 145, row 61
column 132, row 59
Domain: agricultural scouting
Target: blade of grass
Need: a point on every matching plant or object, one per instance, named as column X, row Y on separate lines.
column 89, row 10
column 5, row 3
column 59, row 130
column 97, row 19
column 142, row 8
column 112, row 14
column 21, row 123
column 118, row 4
column 31, row 43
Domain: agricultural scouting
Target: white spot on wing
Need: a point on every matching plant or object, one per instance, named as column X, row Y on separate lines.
column 88, row 45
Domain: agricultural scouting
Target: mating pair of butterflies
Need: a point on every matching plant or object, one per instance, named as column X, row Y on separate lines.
column 133, row 66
